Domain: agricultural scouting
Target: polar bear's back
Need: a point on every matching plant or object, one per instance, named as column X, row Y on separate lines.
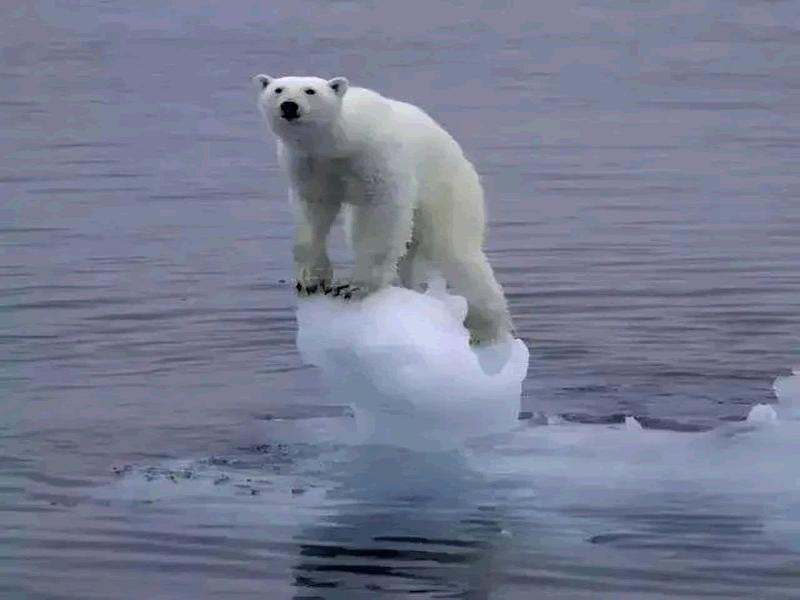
column 377, row 117
column 447, row 182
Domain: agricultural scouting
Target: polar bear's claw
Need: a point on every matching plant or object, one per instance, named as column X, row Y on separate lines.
column 311, row 288
column 336, row 290
column 348, row 291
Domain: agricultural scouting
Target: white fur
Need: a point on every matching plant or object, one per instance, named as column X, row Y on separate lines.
column 415, row 198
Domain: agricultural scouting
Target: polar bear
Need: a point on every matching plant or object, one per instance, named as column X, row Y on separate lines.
column 414, row 197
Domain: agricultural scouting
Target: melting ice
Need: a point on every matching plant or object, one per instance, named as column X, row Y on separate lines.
column 402, row 360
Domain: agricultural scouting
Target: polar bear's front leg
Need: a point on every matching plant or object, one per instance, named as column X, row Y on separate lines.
column 380, row 232
column 313, row 221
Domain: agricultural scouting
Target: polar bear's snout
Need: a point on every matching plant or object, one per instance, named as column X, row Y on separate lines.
column 290, row 110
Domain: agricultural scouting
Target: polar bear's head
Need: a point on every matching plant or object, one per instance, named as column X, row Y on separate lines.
column 291, row 102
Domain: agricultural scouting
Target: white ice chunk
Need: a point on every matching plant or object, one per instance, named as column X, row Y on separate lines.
column 631, row 424
column 762, row 413
column 787, row 390
column 402, row 360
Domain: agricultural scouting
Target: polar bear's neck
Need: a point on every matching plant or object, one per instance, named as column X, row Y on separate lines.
column 317, row 139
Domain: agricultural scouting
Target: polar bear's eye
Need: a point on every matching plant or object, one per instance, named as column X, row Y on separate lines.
column 311, row 91
column 278, row 90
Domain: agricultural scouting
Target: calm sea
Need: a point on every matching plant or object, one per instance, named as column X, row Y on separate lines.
column 641, row 163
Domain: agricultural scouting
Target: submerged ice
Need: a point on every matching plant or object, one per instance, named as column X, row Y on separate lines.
column 402, row 360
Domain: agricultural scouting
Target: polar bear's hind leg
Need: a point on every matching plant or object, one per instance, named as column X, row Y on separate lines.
column 488, row 320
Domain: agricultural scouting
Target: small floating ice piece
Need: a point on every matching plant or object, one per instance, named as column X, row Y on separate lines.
column 631, row 424
column 787, row 390
column 762, row 413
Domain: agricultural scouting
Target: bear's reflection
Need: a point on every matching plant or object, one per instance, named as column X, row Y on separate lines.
column 408, row 523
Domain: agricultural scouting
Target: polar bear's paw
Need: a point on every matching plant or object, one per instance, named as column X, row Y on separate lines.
column 350, row 290
column 311, row 287
column 347, row 290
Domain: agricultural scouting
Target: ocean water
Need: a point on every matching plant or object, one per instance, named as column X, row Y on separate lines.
column 160, row 436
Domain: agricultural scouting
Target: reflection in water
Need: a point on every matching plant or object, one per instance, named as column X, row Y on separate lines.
column 409, row 523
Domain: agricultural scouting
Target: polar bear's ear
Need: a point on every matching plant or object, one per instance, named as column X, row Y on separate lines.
column 262, row 80
column 339, row 85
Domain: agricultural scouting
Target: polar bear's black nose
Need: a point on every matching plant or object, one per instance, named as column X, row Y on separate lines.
column 290, row 110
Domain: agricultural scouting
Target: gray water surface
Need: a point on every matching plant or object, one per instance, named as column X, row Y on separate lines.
column 640, row 160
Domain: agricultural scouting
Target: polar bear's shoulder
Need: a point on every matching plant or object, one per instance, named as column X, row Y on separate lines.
column 360, row 95
column 365, row 106
column 362, row 102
